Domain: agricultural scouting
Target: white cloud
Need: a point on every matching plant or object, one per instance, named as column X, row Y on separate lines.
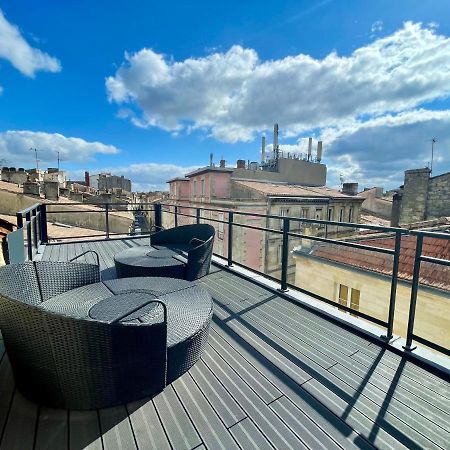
column 378, row 151
column 15, row 49
column 15, row 148
column 233, row 95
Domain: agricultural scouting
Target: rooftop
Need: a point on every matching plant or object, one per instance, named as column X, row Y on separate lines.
column 291, row 190
column 275, row 374
column 432, row 275
column 209, row 169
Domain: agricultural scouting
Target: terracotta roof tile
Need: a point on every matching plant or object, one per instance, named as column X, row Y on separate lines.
column 433, row 275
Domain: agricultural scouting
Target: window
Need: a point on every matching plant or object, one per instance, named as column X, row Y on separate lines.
column 330, row 213
column 354, row 299
column 343, row 295
column 341, row 215
column 305, row 213
column 221, row 226
column 195, row 188
column 350, row 215
column 202, row 187
column 284, row 212
column 318, row 213
column 349, row 297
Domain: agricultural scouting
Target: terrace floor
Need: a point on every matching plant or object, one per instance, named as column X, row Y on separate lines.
column 274, row 375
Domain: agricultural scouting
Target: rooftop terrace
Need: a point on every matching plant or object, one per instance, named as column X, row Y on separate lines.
column 275, row 374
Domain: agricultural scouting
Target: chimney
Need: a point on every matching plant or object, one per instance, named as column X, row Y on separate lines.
column 275, row 141
column 350, row 188
column 240, row 164
column 263, row 149
column 319, row 151
column 86, row 179
column 211, row 156
column 309, row 148
column 222, row 163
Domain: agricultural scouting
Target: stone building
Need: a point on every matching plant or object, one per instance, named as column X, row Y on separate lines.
column 220, row 188
column 361, row 279
column 422, row 197
column 106, row 181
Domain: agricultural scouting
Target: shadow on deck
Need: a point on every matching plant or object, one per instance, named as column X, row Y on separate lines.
column 274, row 375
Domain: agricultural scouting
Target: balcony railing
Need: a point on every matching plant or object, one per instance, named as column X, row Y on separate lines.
column 34, row 221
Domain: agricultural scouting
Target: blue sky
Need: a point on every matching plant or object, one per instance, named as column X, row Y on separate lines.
column 150, row 89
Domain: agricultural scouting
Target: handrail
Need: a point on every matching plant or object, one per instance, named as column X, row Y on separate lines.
column 397, row 232
column 34, row 220
column 84, row 253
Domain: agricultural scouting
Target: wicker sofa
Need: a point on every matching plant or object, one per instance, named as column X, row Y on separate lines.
column 196, row 240
column 65, row 362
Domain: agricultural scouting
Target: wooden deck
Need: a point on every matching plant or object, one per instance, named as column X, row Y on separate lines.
column 274, row 375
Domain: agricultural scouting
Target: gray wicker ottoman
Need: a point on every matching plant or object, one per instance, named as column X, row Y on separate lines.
column 74, row 342
column 136, row 302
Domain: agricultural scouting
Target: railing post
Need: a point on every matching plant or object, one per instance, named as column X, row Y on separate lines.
column 414, row 290
column 107, row 219
column 34, row 227
column 198, row 215
column 284, row 255
column 158, row 216
column 176, row 216
column 43, row 223
column 397, row 248
column 29, row 242
column 19, row 218
column 230, row 239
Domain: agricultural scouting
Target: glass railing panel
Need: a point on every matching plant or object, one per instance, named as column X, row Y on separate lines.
column 354, row 278
column 432, row 318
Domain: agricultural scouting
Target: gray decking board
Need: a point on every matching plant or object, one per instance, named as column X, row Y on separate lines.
column 176, row 422
column 274, row 375
column 116, row 429
column 232, row 344
column 52, row 429
column 20, row 428
column 84, row 430
column 147, row 428
column 208, row 424
column 248, row 435
column 219, row 398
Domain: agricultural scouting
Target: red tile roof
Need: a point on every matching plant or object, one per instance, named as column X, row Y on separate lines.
column 433, row 275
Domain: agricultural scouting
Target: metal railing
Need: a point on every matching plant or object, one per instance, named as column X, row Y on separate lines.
column 285, row 233
column 34, row 221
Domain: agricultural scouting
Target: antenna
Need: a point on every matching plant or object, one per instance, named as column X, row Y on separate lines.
column 37, row 161
column 58, row 159
column 341, row 179
column 433, row 141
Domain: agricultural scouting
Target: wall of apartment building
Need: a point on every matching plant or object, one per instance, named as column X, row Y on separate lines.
column 438, row 200
column 375, row 204
column 433, row 306
column 423, row 198
column 113, row 182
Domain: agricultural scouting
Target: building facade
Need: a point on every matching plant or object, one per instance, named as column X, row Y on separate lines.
column 361, row 279
column 106, row 182
column 219, row 188
column 422, row 197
